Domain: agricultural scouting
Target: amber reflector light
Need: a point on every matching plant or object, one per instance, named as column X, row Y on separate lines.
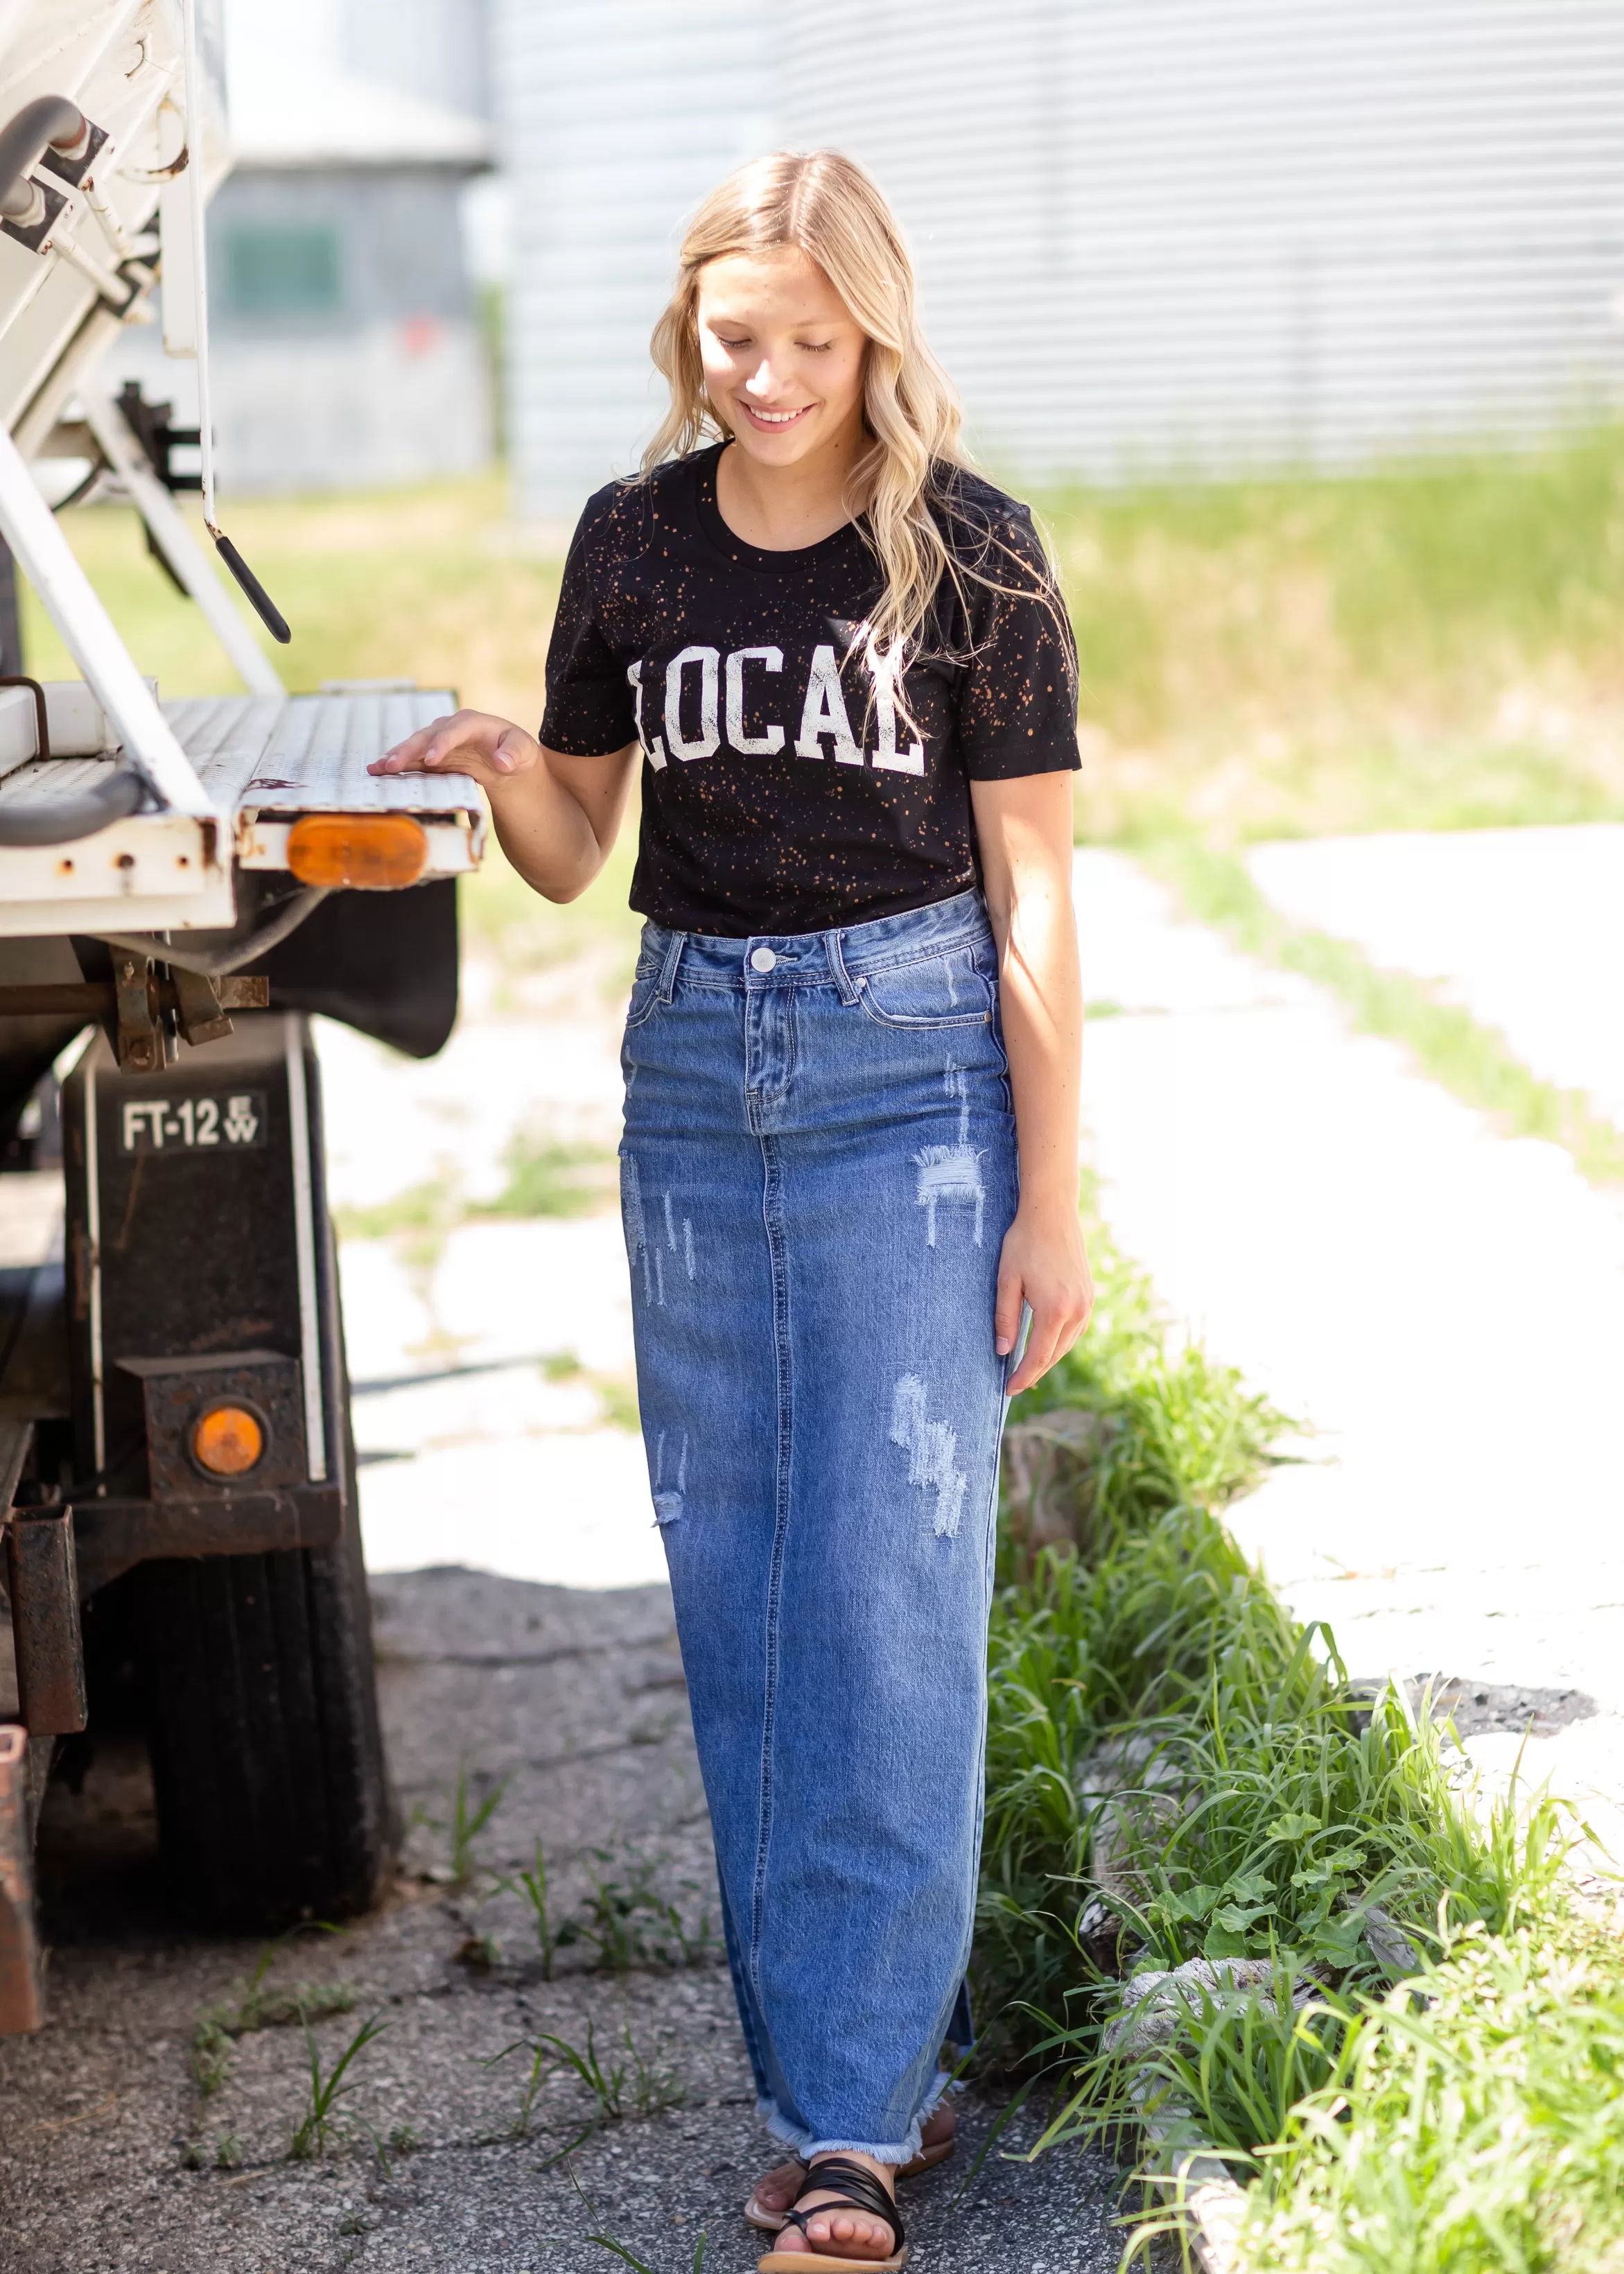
column 228, row 1440
column 373, row 852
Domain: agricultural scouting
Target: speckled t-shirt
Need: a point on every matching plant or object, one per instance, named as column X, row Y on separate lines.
column 785, row 787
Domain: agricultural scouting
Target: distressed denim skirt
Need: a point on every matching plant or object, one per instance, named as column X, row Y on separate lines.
column 817, row 1173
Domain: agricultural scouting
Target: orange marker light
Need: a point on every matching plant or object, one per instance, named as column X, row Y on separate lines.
column 226, row 1440
column 373, row 852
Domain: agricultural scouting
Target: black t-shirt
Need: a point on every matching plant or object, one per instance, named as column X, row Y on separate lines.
column 785, row 788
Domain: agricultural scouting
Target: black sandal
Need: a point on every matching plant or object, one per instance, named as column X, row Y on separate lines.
column 854, row 2187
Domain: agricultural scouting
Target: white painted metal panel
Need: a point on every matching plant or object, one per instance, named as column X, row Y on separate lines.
column 282, row 754
column 309, row 753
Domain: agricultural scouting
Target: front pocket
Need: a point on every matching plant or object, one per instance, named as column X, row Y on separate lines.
column 646, row 995
column 944, row 990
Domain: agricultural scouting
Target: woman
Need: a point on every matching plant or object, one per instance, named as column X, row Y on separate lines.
column 840, row 658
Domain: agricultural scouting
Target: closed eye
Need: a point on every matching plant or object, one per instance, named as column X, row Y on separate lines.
column 733, row 346
column 815, row 347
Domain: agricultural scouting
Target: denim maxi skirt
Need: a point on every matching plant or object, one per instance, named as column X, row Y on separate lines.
column 817, row 1173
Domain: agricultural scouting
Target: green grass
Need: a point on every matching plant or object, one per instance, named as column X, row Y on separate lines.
column 432, row 583
column 1430, row 645
column 1178, row 1772
column 549, row 1178
column 1474, row 1062
column 1483, row 2130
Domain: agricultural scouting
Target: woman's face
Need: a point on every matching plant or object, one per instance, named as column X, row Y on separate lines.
column 782, row 355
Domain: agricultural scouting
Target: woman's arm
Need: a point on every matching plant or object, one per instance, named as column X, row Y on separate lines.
column 1025, row 829
column 557, row 816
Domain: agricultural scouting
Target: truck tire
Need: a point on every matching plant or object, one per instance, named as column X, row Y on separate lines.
column 262, row 1727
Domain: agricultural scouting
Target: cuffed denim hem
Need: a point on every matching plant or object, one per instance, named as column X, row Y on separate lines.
column 807, row 2144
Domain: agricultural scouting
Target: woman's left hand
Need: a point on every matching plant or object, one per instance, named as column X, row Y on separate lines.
column 1045, row 1265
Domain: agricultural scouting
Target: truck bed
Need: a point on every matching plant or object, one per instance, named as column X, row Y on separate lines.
column 263, row 761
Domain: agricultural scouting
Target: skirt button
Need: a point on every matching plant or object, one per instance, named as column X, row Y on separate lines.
column 762, row 959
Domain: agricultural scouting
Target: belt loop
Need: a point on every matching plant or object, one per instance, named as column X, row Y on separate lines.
column 843, row 979
column 668, row 969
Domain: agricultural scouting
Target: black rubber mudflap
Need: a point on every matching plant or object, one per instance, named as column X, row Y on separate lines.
column 262, row 1725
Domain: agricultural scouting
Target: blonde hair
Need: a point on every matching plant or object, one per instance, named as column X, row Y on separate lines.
column 825, row 204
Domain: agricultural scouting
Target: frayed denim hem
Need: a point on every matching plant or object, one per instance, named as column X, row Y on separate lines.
column 807, row 2144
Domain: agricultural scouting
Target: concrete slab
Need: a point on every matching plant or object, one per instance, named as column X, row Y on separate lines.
column 1443, row 1307
column 1523, row 927
column 477, row 1439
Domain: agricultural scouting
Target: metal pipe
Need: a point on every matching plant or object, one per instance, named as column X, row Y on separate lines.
column 43, row 550
column 49, row 121
column 187, row 558
column 193, row 78
column 188, row 954
column 64, row 820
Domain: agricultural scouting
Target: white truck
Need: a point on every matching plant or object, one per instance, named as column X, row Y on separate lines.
column 181, row 883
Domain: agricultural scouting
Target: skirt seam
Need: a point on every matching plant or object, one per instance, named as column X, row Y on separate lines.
column 773, row 1218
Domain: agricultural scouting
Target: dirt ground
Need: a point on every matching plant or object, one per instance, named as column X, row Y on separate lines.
column 130, row 2140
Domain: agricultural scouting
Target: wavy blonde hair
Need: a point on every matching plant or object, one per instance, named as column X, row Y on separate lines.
column 825, row 203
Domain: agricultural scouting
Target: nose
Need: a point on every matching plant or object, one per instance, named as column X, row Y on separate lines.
column 760, row 380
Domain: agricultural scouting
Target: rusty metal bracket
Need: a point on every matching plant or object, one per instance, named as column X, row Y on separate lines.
column 176, row 1391
column 43, row 1578
column 22, row 1974
column 113, row 1535
column 144, row 1007
column 199, row 1008
column 138, row 1031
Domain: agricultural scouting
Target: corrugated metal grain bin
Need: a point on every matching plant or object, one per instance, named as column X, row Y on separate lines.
column 615, row 120
column 1165, row 233
column 1155, row 235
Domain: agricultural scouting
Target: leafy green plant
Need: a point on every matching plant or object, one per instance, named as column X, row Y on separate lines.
column 326, row 2088
column 1208, row 1860
column 630, row 1922
column 550, row 1935
column 468, row 1819
column 540, row 2066
column 621, row 2084
column 1481, row 2128
column 258, row 2004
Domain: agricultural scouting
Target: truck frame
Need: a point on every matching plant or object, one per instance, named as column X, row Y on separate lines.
column 182, row 882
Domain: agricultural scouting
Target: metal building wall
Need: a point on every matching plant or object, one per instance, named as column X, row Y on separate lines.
column 435, row 48
column 615, row 119
column 1160, row 234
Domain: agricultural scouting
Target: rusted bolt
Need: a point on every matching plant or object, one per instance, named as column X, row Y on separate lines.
column 125, row 860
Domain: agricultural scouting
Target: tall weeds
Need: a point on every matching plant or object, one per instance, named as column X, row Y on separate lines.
column 1180, row 1777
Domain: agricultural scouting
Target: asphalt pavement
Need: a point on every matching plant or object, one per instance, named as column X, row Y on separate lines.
column 127, row 2144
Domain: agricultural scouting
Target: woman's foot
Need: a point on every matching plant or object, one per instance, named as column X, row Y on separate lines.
column 778, row 2188
column 840, row 2232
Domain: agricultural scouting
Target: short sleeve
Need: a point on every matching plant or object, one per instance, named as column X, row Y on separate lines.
column 590, row 702
column 1017, row 695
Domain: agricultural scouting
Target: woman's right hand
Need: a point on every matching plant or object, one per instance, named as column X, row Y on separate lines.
column 476, row 742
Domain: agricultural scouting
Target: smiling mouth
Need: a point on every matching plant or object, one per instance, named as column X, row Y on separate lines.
column 773, row 422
